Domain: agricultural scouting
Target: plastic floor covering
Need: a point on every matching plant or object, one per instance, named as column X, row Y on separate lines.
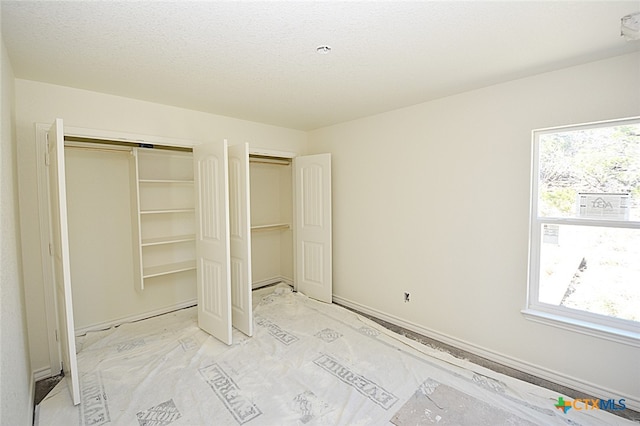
column 308, row 363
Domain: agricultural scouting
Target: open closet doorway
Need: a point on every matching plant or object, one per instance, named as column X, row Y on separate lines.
column 220, row 180
column 104, row 277
column 271, row 216
column 291, row 221
column 279, row 225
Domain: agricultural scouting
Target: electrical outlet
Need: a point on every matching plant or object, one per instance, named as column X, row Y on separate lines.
column 406, row 297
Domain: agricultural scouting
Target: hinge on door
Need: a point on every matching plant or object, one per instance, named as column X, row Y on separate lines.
column 57, row 336
column 51, row 251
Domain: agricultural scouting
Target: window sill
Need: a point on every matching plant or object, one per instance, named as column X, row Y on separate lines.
column 617, row 335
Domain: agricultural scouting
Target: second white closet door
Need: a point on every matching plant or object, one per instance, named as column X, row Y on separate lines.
column 312, row 226
column 240, row 237
column 212, row 239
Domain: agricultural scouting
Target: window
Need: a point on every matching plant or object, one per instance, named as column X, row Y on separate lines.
column 584, row 265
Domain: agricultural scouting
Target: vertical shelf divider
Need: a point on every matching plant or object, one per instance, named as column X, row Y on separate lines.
column 135, row 221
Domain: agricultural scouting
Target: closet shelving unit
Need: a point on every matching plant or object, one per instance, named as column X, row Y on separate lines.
column 270, row 227
column 164, row 238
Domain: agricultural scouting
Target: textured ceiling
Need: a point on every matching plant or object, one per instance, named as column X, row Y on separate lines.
column 258, row 60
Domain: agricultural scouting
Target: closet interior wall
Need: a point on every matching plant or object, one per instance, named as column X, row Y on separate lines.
column 105, row 288
column 271, row 189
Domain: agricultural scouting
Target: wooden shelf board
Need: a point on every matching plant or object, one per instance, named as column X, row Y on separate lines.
column 171, row 268
column 272, row 227
column 163, row 211
column 168, row 240
column 179, row 181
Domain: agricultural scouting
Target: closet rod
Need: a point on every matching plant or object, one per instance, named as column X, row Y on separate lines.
column 269, row 160
column 106, row 142
column 74, row 145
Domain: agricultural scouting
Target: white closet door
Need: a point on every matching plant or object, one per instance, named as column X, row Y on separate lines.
column 212, row 240
column 312, row 226
column 240, row 235
column 60, row 253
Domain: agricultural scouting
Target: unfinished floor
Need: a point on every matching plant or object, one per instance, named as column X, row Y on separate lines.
column 308, row 363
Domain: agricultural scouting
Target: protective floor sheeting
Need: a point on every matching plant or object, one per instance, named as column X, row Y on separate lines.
column 308, row 363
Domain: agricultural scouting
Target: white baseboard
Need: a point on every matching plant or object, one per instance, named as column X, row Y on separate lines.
column 41, row 373
column 270, row 281
column 137, row 317
column 32, row 398
column 538, row 371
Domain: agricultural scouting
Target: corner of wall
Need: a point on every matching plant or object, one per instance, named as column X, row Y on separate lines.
column 16, row 406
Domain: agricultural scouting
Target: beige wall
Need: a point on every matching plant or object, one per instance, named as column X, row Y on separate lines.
column 42, row 103
column 434, row 200
column 16, row 384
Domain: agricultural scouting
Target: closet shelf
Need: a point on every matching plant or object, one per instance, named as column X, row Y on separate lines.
column 162, row 211
column 170, row 268
column 168, row 240
column 179, row 181
column 273, row 227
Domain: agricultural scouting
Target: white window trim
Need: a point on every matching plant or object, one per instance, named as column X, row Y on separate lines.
column 613, row 329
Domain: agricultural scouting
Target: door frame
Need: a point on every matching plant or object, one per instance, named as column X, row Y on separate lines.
column 44, row 216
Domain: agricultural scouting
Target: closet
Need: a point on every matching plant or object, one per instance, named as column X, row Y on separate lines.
column 291, row 221
column 271, row 220
column 131, row 240
column 192, row 214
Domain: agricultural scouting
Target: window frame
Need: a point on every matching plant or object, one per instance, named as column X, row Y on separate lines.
column 610, row 328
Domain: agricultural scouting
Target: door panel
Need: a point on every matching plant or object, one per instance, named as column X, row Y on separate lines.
column 212, row 240
column 312, row 228
column 61, row 262
column 240, row 236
